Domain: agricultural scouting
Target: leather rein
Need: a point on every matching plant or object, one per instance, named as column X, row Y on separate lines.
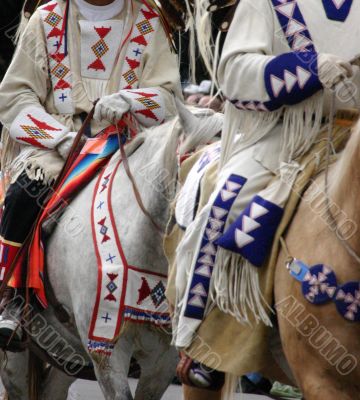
column 135, row 188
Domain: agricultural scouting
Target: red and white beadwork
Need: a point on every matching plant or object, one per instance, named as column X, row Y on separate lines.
column 144, row 28
column 146, row 105
column 145, row 299
column 35, row 127
column 124, row 292
column 100, row 42
column 59, row 62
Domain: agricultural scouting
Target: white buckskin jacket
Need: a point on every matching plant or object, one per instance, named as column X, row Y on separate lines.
column 51, row 80
column 268, row 73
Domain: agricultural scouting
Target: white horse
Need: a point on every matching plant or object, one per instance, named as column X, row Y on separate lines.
column 72, row 266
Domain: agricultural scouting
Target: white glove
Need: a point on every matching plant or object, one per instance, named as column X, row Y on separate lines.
column 65, row 144
column 111, row 108
column 332, row 70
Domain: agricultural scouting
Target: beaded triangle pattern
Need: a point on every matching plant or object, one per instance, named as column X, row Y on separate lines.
column 100, row 43
column 59, row 62
column 144, row 28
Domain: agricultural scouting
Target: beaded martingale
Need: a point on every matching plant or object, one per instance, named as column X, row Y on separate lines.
column 319, row 286
column 124, row 292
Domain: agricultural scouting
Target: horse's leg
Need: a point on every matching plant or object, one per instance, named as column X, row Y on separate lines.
column 192, row 393
column 158, row 361
column 322, row 348
column 114, row 385
column 112, row 374
column 13, row 373
column 56, row 385
column 14, row 377
column 277, row 368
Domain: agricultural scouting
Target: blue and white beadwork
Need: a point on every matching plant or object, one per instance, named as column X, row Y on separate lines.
column 252, row 105
column 337, row 10
column 252, row 233
column 293, row 25
column 319, row 284
column 347, row 301
column 200, row 282
column 188, row 199
column 291, row 78
column 105, row 348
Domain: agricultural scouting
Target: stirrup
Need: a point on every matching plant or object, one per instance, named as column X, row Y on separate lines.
column 10, row 334
column 10, row 327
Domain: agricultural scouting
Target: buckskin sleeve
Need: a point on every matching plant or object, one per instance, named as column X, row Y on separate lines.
column 24, row 89
column 153, row 101
column 251, row 75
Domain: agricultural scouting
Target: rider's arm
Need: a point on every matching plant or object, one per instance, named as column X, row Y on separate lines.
column 24, row 89
column 257, row 66
column 159, row 81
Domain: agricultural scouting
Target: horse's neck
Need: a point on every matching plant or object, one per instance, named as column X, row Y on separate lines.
column 153, row 166
column 344, row 189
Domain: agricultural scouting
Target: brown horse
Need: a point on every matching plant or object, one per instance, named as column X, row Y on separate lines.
column 322, row 348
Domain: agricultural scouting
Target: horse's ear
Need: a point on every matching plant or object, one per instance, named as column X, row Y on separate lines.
column 188, row 120
column 200, row 127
